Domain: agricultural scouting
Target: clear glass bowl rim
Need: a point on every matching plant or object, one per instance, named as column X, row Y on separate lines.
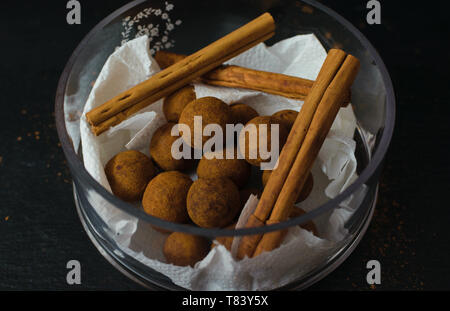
column 83, row 175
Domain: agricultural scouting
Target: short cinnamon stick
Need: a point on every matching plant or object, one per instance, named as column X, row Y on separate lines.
column 268, row 82
column 320, row 125
column 181, row 73
column 289, row 152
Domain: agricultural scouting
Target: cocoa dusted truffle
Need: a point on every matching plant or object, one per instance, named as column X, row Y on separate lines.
column 184, row 249
column 238, row 170
column 304, row 193
column 287, row 117
column 128, row 174
column 174, row 104
column 213, row 202
column 252, row 136
column 161, row 149
column 242, row 113
column 211, row 110
column 225, row 240
column 165, row 196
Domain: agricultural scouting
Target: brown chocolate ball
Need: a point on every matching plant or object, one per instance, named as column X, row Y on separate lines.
column 304, row 193
column 253, row 134
column 211, row 110
column 161, row 150
column 309, row 226
column 287, row 117
column 213, row 202
column 128, row 174
column 184, row 249
column 174, row 104
column 242, row 113
column 225, row 240
column 238, row 170
column 165, row 196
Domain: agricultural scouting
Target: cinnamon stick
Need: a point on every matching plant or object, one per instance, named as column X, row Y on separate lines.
column 323, row 119
column 241, row 77
column 166, row 59
column 268, row 82
column 125, row 114
column 289, row 152
column 181, row 73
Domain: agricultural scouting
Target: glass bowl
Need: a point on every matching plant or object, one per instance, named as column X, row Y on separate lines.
column 372, row 100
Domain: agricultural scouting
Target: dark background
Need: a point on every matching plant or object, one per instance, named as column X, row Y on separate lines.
column 40, row 230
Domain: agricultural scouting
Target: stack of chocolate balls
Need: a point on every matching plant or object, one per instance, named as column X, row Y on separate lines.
column 216, row 198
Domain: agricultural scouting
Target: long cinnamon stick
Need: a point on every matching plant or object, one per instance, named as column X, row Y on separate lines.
column 183, row 72
column 241, row 77
column 323, row 119
column 287, row 156
column 166, row 59
column 125, row 114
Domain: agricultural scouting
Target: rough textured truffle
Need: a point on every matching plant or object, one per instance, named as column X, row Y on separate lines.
column 242, row 113
column 165, row 196
column 174, row 104
column 225, row 240
column 304, row 193
column 184, row 249
column 161, row 150
column 238, row 170
column 213, row 202
column 211, row 110
column 252, row 135
column 287, row 117
column 309, row 226
column 128, row 174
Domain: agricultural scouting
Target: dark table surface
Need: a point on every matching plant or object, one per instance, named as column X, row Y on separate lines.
column 39, row 227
